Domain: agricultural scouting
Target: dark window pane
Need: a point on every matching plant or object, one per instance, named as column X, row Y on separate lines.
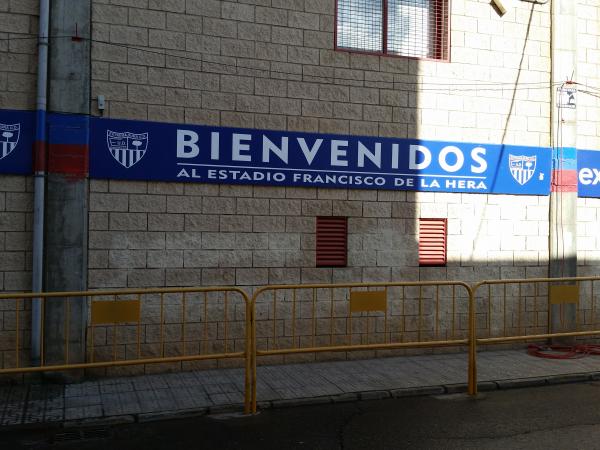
column 360, row 25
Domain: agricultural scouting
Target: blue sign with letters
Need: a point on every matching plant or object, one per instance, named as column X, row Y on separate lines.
column 588, row 173
column 17, row 131
column 139, row 150
column 135, row 150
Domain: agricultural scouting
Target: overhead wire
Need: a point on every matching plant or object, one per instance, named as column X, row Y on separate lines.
column 559, row 154
column 407, row 86
column 421, row 85
column 402, row 86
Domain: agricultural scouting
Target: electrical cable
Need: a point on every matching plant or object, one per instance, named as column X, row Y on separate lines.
column 398, row 86
column 560, row 155
column 408, row 86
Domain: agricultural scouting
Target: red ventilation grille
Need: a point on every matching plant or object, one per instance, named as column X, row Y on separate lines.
column 332, row 242
column 432, row 242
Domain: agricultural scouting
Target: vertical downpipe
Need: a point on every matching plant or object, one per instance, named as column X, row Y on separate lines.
column 39, row 181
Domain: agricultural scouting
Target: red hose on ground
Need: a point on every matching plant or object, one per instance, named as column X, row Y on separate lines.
column 563, row 351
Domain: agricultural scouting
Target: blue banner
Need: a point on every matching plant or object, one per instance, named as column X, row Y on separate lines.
column 588, row 173
column 139, row 150
column 135, row 150
column 17, row 132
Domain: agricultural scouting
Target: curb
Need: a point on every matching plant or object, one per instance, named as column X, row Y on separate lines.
column 344, row 398
column 100, row 421
column 235, row 409
column 375, row 395
column 455, row 388
column 417, row 391
column 301, row 401
column 570, row 378
column 544, row 381
column 170, row 415
column 485, row 386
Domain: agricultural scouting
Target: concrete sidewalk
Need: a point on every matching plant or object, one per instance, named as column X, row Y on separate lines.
column 155, row 397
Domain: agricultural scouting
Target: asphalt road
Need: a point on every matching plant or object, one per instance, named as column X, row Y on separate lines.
column 554, row 417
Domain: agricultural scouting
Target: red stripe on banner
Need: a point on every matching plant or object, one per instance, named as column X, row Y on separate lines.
column 68, row 159
column 564, row 181
column 39, row 156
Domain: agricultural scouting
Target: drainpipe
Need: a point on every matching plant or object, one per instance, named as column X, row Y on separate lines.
column 39, row 182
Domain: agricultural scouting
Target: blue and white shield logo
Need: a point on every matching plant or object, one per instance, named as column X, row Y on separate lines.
column 127, row 148
column 522, row 167
column 9, row 138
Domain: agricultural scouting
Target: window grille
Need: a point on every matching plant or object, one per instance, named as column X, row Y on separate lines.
column 432, row 242
column 332, row 242
column 414, row 28
column 359, row 25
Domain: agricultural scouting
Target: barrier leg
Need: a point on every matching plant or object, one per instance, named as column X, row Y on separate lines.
column 472, row 346
column 248, row 362
column 253, row 354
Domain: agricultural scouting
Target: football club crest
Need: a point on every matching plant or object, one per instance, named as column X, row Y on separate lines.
column 127, row 148
column 9, row 138
column 522, row 167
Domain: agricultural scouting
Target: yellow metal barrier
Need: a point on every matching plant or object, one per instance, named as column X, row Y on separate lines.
column 139, row 327
column 317, row 318
column 534, row 309
column 150, row 326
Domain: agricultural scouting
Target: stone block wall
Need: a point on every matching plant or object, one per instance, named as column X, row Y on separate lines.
column 588, row 56
column 271, row 64
column 15, row 233
column 588, row 136
column 145, row 234
column 588, row 236
column 18, row 53
column 18, row 76
column 15, row 261
column 172, row 324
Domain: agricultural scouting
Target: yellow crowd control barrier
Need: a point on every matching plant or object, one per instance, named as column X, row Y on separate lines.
column 317, row 318
column 133, row 328
column 186, row 325
column 534, row 309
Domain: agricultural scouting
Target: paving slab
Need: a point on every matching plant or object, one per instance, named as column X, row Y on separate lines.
column 172, row 395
